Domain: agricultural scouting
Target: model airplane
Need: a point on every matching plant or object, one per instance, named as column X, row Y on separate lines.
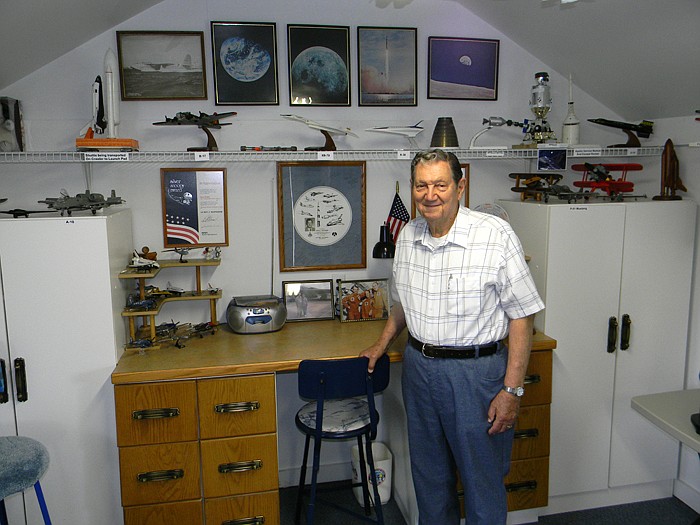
column 409, row 132
column 181, row 252
column 19, row 212
column 81, row 202
column 643, row 129
column 598, row 177
column 203, row 121
column 327, row 131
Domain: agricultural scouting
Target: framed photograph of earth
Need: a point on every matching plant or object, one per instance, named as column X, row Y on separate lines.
column 162, row 65
column 245, row 63
column 319, row 65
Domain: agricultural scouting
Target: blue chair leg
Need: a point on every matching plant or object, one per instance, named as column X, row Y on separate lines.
column 314, row 478
column 302, row 482
column 3, row 513
column 363, row 477
column 377, row 499
column 42, row 503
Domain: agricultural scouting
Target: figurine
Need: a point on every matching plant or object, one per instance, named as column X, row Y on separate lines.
column 670, row 177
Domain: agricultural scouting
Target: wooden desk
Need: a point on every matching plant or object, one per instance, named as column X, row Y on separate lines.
column 671, row 411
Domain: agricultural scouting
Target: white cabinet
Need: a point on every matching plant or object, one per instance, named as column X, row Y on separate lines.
column 595, row 265
column 60, row 308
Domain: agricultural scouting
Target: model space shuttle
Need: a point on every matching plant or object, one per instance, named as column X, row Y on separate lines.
column 101, row 132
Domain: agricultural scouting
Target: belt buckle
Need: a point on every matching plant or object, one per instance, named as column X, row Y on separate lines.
column 422, row 351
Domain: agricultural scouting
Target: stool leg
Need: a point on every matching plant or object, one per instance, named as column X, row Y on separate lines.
column 3, row 513
column 363, row 476
column 377, row 499
column 314, row 478
column 42, row 503
column 302, row 482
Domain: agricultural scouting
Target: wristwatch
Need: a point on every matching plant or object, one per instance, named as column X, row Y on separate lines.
column 518, row 391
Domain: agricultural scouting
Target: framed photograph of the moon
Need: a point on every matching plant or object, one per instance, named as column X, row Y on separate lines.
column 319, row 65
column 245, row 63
column 462, row 68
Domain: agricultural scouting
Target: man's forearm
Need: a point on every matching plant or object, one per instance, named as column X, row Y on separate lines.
column 519, row 346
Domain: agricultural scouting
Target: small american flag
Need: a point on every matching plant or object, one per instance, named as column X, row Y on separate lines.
column 398, row 217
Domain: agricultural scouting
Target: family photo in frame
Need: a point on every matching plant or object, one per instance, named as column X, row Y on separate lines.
column 364, row 300
column 308, row 300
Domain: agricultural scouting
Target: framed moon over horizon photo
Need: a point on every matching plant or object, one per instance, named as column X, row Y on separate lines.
column 463, row 68
column 245, row 63
column 319, row 65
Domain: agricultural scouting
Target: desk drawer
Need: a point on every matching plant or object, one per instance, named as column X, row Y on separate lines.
column 149, row 413
column 237, row 406
column 256, row 508
column 538, row 379
column 239, row 465
column 159, row 473
column 532, row 433
column 185, row 512
column 527, row 484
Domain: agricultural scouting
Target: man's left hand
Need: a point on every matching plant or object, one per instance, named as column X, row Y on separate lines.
column 503, row 412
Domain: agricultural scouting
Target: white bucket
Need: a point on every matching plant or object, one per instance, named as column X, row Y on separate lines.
column 382, row 466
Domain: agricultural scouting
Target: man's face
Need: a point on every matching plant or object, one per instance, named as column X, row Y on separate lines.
column 437, row 195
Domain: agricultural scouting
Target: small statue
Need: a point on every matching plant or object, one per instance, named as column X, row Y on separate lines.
column 670, row 176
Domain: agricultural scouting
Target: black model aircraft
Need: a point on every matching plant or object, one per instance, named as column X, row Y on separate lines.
column 643, row 129
column 81, row 202
column 19, row 212
column 203, row 121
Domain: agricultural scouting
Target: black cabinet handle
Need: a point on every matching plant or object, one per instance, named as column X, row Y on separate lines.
column 612, row 334
column 21, row 379
column 526, row 433
column 625, row 332
column 155, row 413
column 257, row 520
column 522, row 486
column 160, row 475
column 241, row 406
column 240, row 466
column 4, row 396
column 532, row 379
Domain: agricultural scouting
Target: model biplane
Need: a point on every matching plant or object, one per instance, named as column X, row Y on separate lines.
column 600, row 177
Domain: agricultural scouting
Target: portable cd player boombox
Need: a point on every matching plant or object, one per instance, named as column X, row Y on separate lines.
column 256, row 314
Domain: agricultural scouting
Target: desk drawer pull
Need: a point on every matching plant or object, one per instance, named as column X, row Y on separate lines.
column 532, row 379
column 257, row 520
column 521, row 486
column 526, row 433
column 155, row 413
column 240, row 466
column 160, row 475
column 242, row 406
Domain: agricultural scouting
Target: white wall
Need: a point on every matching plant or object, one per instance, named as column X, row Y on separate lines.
column 56, row 102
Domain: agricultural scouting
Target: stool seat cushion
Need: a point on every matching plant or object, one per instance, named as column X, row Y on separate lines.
column 23, row 461
column 339, row 415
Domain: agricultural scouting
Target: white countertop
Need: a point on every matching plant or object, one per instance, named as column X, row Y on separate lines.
column 671, row 412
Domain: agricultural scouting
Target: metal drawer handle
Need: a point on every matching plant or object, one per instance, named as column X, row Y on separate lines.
column 242, row 406
column 240, row 466
column 532, row 379
column 160, row 475
column 526, row 433
column 257, row 520
column 155, row 413
column 521, row 486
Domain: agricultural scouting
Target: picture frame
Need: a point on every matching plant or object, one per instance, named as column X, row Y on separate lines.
column 364, row 300
column 318, row 86
column 465, row 199
column 321, row 215
column 162, row 65
column 463, row 68
column 387, row 66
column 244, row 58
column 309, row 300
column 194, row 205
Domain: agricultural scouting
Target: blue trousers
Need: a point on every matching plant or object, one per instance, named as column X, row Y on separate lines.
column 446, row 404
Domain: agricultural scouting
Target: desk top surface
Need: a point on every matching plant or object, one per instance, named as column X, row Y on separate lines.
column 227, row 353
column 671, row 412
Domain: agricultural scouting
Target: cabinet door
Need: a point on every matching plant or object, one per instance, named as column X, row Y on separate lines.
column 584, row 254
column 655, row 293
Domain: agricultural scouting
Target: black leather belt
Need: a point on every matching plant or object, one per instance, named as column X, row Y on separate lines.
column 453, row 352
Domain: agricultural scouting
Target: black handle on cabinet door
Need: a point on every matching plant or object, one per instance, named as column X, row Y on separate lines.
column 612, row 334
column 4, row 396
column 21, row 379
column 256, row 520
column 625, row 332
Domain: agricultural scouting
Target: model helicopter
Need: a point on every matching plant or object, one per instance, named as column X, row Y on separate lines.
column 327, row 131
column 81, row 202
column 203, row 121
column 409, row 132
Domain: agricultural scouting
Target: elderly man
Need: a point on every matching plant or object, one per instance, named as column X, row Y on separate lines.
column 460, row 285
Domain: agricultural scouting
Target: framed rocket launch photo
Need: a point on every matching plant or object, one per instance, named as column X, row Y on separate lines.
column 386, row 58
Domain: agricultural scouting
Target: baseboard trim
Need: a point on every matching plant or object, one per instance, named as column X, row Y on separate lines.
column 687, row 494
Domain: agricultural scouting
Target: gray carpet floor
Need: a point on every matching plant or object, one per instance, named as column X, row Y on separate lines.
column 666, row 511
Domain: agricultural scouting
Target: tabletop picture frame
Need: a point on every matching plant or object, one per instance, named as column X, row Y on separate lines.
column 321, row 215
column 309, row 300
column 194, row 204
column 311, row 45
column 387, row 66
column 463, row 68
column 162, row 65
column 364, row 300
column 244, row 58
column 465, row 199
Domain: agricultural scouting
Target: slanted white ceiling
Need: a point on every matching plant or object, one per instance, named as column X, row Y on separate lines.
column 640, row 58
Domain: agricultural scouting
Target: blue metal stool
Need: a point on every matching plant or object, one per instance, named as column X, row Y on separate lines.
column 22, row 463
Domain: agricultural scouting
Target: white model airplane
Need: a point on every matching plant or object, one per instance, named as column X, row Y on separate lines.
column 409, row 132
column 326, row 130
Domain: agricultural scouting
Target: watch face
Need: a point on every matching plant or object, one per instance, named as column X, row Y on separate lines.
column 519, row 391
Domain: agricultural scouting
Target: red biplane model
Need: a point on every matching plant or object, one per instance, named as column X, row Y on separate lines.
column 599, row 177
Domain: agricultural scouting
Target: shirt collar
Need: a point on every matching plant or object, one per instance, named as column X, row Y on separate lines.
column 459, row 225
